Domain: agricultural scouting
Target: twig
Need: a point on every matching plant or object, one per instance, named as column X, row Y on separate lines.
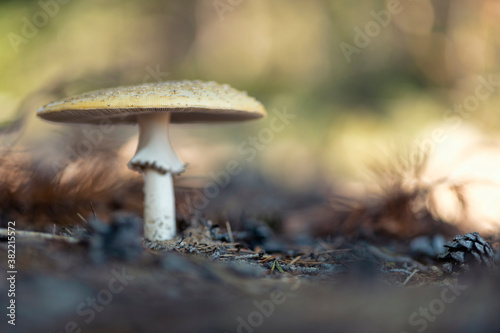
column 33, row 235
column 229, row 232
column 400, row 270
column 409, row 277
column 68, row 231
column 266, row 259
column 180, row 241
column 81, row 217
column 308, row 262
column 246, row 256
column 295, row 260
column 93, row 211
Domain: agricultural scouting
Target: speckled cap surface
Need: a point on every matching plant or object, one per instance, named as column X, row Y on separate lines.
column 188, row 101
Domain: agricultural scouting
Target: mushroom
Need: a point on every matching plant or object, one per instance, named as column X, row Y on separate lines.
column 154, row 106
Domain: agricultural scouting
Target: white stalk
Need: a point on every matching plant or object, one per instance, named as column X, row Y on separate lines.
column 158, row 162
column 159, row 205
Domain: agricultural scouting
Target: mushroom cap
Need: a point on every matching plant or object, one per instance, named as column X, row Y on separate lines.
column 188, row 101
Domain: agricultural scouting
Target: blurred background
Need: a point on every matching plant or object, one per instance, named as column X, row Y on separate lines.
column 398, row 96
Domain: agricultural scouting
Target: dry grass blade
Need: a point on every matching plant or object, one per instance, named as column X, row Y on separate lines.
column 409, row 277
column 33, row 236
column 397, row 204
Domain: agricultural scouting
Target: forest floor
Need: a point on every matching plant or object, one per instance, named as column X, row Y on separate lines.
column 201, row 282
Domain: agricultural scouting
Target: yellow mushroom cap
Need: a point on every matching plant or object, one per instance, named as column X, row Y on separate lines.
column 188, row 101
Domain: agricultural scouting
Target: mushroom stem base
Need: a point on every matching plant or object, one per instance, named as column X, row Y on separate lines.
column 159, row 206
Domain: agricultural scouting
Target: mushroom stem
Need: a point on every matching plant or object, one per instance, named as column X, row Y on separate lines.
column 159, row 205
column 158, row 162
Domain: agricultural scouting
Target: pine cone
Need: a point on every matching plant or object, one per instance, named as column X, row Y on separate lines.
column 465, row 252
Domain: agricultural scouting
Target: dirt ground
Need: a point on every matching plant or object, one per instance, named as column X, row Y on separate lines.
column 112, row 282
